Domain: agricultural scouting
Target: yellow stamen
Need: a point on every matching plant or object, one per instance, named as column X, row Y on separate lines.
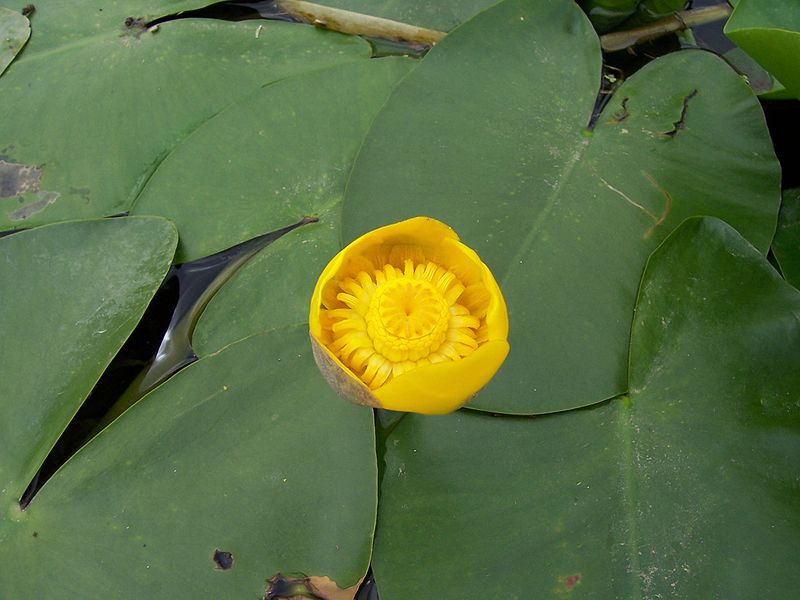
column 403, row 314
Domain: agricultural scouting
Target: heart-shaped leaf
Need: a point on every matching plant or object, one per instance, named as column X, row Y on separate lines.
column 688, row 488
column 498, row 148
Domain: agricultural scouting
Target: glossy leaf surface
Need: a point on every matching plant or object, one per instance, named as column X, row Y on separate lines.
column 247, row 452
column 499, row 150
column 769, row 31
column 686, row 489
column 61, row 325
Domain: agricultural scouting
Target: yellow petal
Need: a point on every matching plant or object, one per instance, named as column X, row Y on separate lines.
column 442, row 388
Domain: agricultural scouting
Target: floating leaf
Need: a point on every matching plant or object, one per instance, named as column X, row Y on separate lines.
column 769, row 31
column 565, row 218
column 242, row 465
column 61, row 324
column 686, row 489
column 127, row 97
column 281, row 153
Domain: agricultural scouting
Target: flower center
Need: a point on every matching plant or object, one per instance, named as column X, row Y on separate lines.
column 392, row 320
column 407, row 319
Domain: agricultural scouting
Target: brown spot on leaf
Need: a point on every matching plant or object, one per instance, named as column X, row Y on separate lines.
column 135, row 23
column 571, row 581
column 17, row 179
column 622, row 113
column 222, row 560
column 300, row 587
column 681, row 122
column 325, row 587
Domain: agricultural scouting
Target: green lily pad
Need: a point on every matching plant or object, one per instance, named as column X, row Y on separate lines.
column 283, row 152
column 686, row 489
column 786, row 245
column 565, row 218
column 61, row 324
column 769, row 31
column 15, row 29
column 242, row 466
column 127, row 97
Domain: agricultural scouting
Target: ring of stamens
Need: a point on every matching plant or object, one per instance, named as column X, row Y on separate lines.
column 391, row 320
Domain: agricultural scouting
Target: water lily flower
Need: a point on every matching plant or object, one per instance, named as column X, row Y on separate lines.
column 408, row 318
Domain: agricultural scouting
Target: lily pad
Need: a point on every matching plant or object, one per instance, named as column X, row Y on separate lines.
column 15, row 29
column 264, row 162
column 149, row 91
column 243, row 465
column 685, row 489
column 565, row 216
column 786, row 245
column 61, row 325
column 769, row 31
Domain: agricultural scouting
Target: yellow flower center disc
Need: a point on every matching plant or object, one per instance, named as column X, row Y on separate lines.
column 395, row 320
column 407, row 319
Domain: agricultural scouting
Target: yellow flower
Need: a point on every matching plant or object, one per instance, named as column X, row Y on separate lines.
column 408, row 318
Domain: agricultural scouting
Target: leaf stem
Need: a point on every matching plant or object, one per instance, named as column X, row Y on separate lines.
column 354, row 23
column 683, row 19
column 345, row 21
